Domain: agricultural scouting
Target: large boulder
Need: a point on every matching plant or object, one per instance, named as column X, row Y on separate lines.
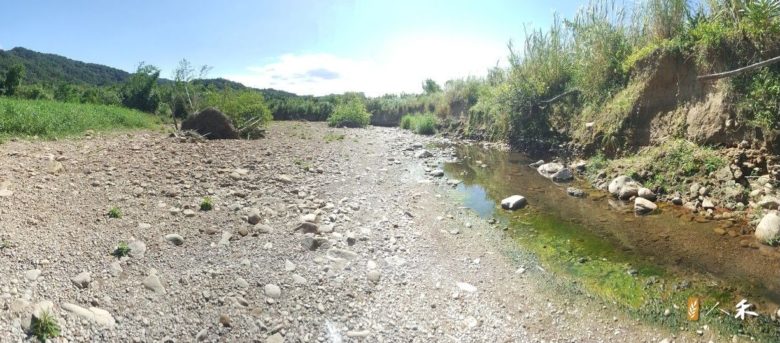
column 769, row 202
column 647, row 194
column 617, row 184
column 549, row 169
column 768, row 229
column 563, row 175
column 212, row 124
column 629, row 190
column 514, row 202
column 643, row 206
column 624, row 188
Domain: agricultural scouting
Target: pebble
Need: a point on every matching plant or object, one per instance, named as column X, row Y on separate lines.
column 240, row 282
column 32, row 274
column 374, row 275
column 275, row 338
column 225, row 321
column 298, row 280
column 289, row 266
column 466, row 287
column 82, row 280
column 152, row 282
column 137, row 248
column 174, row 239
column 272, row 291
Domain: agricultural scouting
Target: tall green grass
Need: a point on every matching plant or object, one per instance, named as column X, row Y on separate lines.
column 421, row 124
column 50, row 119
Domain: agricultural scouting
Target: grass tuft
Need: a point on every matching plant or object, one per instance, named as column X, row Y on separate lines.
column 115, row 212
column 122, row 249
column 206, row 204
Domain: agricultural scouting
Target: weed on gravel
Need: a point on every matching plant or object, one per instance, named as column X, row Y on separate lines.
column 206, row 204
column 45, row 327
column 122, row 249
column 115, row 212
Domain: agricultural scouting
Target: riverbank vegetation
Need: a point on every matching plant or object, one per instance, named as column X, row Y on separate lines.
column 586, row 79
column 51, row 119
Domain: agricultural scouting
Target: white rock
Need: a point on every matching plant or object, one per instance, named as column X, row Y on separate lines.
column 97, row 315
column 768, row 228
column 514, row 202
column 272, row 291
column 32, row 274
column 644, row 206
column 466, row 287
column 549, row 169
column 82, row 280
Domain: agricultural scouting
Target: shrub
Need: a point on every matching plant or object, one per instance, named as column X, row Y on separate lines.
column 246, row 109
column 425, row 124
column 406, row 122
column 351, row 113
column 762, row 101
column 422, row 124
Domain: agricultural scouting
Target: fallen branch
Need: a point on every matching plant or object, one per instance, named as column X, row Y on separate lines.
column 555, row 98
column 738, row 71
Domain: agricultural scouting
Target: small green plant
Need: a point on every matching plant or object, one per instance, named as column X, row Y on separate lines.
column 115, row 212
column 44, row 327
column 206, row 204
column 773, row 242
column 122, row 249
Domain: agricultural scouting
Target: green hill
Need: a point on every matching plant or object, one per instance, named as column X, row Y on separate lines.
column 51, row 68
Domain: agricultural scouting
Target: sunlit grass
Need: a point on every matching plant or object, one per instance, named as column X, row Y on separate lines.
column 51, row 119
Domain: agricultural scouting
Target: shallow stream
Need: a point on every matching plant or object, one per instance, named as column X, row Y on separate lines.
column 647, row 262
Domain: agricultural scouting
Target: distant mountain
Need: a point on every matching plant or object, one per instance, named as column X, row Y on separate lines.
column 51, row 69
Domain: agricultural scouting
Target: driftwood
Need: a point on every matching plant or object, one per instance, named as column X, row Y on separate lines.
column 738, row 71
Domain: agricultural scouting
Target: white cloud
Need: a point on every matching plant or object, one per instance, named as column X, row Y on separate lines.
column 400, row 66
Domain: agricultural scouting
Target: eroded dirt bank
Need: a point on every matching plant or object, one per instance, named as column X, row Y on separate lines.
column 396, row 257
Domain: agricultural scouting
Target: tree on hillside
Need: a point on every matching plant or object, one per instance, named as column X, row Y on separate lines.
column 13, row 79
column 140, row 91
column 430, row 87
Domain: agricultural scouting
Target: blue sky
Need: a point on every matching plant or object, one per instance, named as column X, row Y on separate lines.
column 303, row 46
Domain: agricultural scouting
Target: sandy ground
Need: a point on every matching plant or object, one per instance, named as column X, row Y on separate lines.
column 390, row 254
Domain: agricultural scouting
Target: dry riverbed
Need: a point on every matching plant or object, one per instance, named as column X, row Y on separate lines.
column 389, row 255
